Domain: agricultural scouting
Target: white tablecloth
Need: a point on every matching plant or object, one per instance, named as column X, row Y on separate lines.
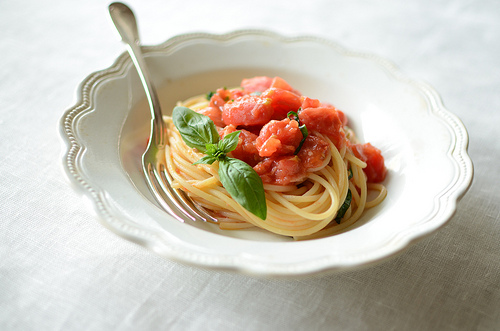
column 60, row 269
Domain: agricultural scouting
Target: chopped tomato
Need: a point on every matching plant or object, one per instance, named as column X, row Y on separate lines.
column 247, row 110
column 214, row 113
column 340, row 113
column 217, row 101
column 272, row 145
column 280, row 83
column 313, row 152
column 279, row 138
column 283, row 170
column 315, row 103
column 375, row 169
column 282, row 101
column 245, row 150
column 228, row 95
column 256, row 84
column 324, row 120
column 307, row 102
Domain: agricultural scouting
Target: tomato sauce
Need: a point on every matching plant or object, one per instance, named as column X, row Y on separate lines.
column 269, row 139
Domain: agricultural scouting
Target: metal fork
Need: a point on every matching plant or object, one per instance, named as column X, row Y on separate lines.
column 173, row 201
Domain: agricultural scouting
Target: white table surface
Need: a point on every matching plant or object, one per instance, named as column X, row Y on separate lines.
column 60, row 269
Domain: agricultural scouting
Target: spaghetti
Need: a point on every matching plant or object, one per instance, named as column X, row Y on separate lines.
column 325, row 198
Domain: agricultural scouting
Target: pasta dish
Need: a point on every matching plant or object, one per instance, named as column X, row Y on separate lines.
column 264, row 155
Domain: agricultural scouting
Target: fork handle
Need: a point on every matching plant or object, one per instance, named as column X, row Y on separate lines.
column 126, row 24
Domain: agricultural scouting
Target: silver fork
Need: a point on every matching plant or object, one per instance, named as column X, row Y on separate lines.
column 173, row 201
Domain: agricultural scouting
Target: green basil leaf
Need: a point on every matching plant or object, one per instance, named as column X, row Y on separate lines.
column 196, row 130
column 207, row 159
column 229, row 142
column 244, row 185
column 345, row 206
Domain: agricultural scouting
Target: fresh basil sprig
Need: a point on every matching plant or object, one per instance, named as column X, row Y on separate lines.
column 295, row 116
column 238, row 178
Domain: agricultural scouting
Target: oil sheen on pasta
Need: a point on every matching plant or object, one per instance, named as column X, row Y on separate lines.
column 306, row 187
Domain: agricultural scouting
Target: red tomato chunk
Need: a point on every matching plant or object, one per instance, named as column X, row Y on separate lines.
column 256, row 84
column 375, row 169
column 247, row 110
column 282, row 170
column 282, row 101
column 214, row 113
column 325, row 120
column 307, row 102
column 280, row 83
column 245, row 150
column 314, row 152
column 279, row 138
column 228, row 95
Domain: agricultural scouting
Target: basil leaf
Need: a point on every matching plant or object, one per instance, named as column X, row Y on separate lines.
column 196, row 130
column 345, row 206
column 207, row 159
column 244, row 185
column 229, row 142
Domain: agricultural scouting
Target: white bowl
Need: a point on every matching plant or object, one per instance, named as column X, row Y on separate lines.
column 425, row 147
